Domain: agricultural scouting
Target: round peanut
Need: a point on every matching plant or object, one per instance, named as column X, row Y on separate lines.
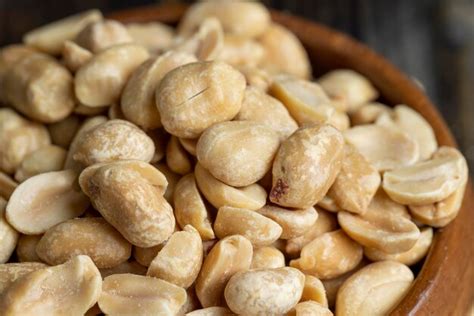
column 62, row 133
column 260, row 230
column 75, row 56
column 10, row 272
column 427, row 181
column 314, row 291
column 267, row 258
column 100, row 35
column 219, row 194
column 211, row 311
column 111, row 141
column 264, row 291
column 374, row 290
column 129, row 195
column 306, row 165
column 45, row 159
column 294, row 223
column 369, row 113
column 70, row 288
column 195, row 96
column 230, row 255
column 177, row 158
column 100, row 81
column 26, row 248
column 281, row 46
column 155, row 36
column 138, row 97
column 238, row 153
column 90, row 236
column 240, row 51
column 131, row 267
column 329, row 255
column 45, row 200
column 180, row 259
column 130, row 294
column 8, row 235
column 310, row 308
column 190, row 208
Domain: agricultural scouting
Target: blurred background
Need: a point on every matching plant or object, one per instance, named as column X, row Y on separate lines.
column 430, row 40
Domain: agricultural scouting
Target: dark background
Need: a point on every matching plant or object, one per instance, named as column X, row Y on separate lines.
column 430, row 40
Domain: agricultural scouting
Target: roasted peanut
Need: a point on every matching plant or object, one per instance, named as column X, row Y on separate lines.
column 294, row 223
column 70, row 288
column 260, row 107
column 349, row 86
column 100, row 81
column 195, row 96
column 230, row 255
column 75, row 56
column 160, row 139
column 177, row 158
column 51, row 37
column 45, row 159
column 257, row 77
column 131, row 267
column 8, row 235
column 329, row 255
column 219, row 194
column 138, row 97
column 339, row 120
column 238, row 153
column 314, row 291
column 427, row 181
column 189, row 145
column 240, row 51
column 10, row 272
column 111, row 141
column 267, row 258
column 191, row 304
column 211, row 311
column 145, row 256
column 180, row 259
column 260, row 230
column 310, row 308
column 7, row 185
column 172, row 179
column 328, row 204
column 129, row 195
column 368, row 113
column 26, row 248
column 306, row 165
column 155, row 36
column 356, row 183
column 63, row 132
column 264, row 291
column 190, row 208
column 115, row 112
column 130, row 294
column 374, row 290
column 90, row 236
column 101, row 35
column 45, row 200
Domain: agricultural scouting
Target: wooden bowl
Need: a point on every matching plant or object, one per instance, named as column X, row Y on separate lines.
column 445, row 283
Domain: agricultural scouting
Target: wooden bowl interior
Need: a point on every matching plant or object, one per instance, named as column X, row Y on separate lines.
column 445, row 283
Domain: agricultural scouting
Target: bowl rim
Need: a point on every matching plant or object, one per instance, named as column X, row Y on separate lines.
column 443, row 285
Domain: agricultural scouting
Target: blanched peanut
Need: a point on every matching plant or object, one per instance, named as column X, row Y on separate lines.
column 427, row 181
column 310, row 308
column 130, row 294
column 63, row 132
column 51, row 37
column 145, row 256
column 329, row 255
column 267, row 257
column 7, row 186
column 306, row 165
column 75, row 56
column 230, row 255
column 18, row 138
column 241, row 51
column 189, row 145
column 131, row 267
column 356, row 183
column 10, row 272
column 384, row 148
column 180, row 259
column 260, row 107
column 45, row 159
column 305, row 100
column 190, row 208
column 410, row 257
column 26, row 248
column 211, row 311
column 8, row 235
column 238, row 153
column 374, row 290
column 260, row 230
column 70, row 288
column 349, row 86
column 45, row 200
column 177, row 158
column 172, row 179
column 314, row 291
column 100, row 81
column 90, row 236
column 264, row 291
column 129, row 195
column 28, row 88
column 281, row 46
column 294, row 223
column 386, row 226
column 248, row 19
column 326, row 222
column 100, row 35
column 256, row 77
column 195, row 96
column 368, row 113
column 219, row 194
column 114, row 140
column 138, row 97
column 155, row 36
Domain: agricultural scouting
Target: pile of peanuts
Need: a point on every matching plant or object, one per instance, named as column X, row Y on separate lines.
column 202, row 171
